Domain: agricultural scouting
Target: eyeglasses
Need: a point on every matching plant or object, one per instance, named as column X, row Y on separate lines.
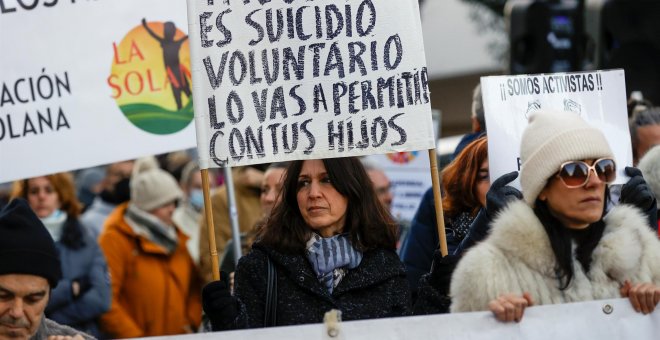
column 575, row 174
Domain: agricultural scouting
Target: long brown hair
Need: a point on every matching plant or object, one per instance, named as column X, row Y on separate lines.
column 63, row 185
column 460, row 177
column 368, row 223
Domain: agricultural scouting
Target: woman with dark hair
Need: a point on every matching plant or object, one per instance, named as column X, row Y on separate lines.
column 558, row 245
column 83, row 293
column 332, row 245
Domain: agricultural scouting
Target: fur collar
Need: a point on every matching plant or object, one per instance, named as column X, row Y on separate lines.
column 519, row 233
column 627, row 238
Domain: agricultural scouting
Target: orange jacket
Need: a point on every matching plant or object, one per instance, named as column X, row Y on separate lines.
column 152, row 293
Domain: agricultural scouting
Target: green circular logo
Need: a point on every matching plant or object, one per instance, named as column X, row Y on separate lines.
column 150, row 78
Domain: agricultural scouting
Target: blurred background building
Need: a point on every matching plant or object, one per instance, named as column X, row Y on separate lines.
column 463, row 42
column 467, row 39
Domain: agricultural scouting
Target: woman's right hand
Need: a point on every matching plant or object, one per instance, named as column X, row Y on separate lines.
column 218, row 303
column 510, row 307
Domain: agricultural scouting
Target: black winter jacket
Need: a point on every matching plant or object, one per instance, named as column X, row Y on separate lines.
column 377, row 288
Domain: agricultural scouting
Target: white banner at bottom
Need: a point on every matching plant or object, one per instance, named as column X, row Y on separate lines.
column 605, row 319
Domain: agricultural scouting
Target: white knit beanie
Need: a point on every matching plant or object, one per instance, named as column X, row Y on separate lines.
column 143, row 164
column 650, row 167
column 552, row 138
column 153, row 188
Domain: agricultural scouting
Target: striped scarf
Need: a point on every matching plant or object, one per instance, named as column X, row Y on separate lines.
column 148, row 225
column 331, row 257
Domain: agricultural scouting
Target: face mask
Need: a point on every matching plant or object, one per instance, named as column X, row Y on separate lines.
column 197, row 199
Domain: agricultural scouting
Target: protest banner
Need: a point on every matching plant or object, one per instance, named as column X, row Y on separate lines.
column 604, row 319
column 284, row 80
column 598, row 97
column 84, row 83
column 281, row 80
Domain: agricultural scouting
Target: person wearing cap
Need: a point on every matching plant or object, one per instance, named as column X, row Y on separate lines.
column 83, row 293
column 557, row 245
column 29, row 271
column 155, row 288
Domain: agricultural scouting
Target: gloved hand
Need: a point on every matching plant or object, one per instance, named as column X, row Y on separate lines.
column 218, row 303
column 636, row 192
column 500, row 194
column 441, row 270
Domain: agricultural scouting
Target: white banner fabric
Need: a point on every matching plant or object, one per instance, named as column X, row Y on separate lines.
column 605, row 319
column 598, row 97
column 284, row 80
column 84, row 83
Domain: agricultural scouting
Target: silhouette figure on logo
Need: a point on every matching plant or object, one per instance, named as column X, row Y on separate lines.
column 178, row 74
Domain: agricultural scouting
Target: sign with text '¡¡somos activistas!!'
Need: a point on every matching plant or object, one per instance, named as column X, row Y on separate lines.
column 597, row 97
column 277, row 80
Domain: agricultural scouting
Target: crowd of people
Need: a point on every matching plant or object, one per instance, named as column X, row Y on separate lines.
column 122, row 250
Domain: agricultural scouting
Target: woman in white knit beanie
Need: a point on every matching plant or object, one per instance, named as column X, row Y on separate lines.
column 155, row 285
column 558, row 245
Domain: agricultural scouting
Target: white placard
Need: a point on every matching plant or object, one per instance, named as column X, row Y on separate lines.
column 605, row 319
column 83, row 83
column 284, row 79
column 598, row 97
column 410, row 176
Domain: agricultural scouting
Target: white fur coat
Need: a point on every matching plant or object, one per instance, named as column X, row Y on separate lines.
column 517, row 257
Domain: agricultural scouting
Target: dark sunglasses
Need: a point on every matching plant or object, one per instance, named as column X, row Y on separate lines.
column 575, row 174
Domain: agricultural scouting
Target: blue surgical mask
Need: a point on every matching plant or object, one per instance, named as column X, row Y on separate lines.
column 196, row 199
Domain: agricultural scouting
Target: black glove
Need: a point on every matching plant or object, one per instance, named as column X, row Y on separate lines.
column 636, row 192
column 218, row 303
column 500, row 194
column 441, row 270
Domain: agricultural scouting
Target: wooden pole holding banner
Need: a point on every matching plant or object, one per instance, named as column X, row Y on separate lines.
column 208, row 212
column 437, row 197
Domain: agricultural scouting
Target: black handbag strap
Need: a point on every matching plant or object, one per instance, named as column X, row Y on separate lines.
column 270, row 318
